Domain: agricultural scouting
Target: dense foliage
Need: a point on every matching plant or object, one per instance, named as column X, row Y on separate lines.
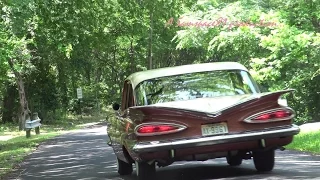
column 59, row 46
column 278, row 40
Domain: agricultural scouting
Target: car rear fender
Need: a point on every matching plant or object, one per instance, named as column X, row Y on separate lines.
column 141, row 113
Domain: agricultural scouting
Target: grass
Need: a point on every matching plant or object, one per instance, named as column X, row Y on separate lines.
column 14, row 146
column 306, row 141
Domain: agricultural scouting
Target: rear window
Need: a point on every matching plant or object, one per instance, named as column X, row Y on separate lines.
column 195, row 85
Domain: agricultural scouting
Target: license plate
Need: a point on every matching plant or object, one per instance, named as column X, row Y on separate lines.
column 214, row 129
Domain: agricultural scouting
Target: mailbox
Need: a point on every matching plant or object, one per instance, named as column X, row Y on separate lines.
column 33, row 124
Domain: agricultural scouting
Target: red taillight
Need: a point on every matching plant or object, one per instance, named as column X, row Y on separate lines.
column 271, row 115
column 281, row 114
column 156, row 129
column 153, row 129
column 263, row 117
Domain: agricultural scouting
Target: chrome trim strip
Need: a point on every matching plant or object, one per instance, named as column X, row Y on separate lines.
column 179, row 126
column 282, row 131
column 249, row 119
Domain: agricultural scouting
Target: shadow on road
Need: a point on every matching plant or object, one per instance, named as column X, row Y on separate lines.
column 84, row 155
column 81, row 155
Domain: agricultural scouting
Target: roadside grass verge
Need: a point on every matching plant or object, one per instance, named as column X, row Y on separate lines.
column 306, row 141
column 14, row 145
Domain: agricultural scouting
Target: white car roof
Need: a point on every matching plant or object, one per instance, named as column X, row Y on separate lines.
column 138, row 77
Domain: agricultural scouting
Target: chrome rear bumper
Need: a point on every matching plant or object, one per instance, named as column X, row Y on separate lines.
column 275, row 132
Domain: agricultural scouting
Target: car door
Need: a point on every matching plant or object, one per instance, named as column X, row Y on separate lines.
column 117, row 122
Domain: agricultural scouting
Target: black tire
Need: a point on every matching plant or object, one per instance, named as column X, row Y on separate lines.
column 264, row 160
column 234, row 160
column 124, row 168
column 145, row 171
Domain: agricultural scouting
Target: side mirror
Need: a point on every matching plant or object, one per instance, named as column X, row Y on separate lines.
column 115, row 106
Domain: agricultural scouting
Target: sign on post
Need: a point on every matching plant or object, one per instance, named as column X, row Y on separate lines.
column 79, row 93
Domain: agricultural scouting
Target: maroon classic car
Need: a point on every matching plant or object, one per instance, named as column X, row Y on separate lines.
column 195, row 113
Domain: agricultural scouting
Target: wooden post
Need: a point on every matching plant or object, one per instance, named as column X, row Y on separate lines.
column 28, row 133
column 80, row 108
column 37, row 129
column 35, row 116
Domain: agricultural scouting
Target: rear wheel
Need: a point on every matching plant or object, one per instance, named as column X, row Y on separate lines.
column 234, row 160
column 124, row 168
column 264, row 160
column 145, row 171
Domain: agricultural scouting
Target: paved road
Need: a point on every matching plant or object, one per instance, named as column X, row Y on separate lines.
column 84, row 155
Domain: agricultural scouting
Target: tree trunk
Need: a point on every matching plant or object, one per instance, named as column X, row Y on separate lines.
column 150, row 40
column 24, row 108
column 114, row 73
column 62, row 83
column 97, row 87
column 132, row 56
column 25, row 112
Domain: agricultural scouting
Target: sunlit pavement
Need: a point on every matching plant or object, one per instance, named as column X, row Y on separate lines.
column 85, row 155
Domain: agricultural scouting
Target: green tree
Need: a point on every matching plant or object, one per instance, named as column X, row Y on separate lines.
column 281, row 54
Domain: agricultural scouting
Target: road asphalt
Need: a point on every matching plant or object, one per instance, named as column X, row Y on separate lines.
column 84, row 155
